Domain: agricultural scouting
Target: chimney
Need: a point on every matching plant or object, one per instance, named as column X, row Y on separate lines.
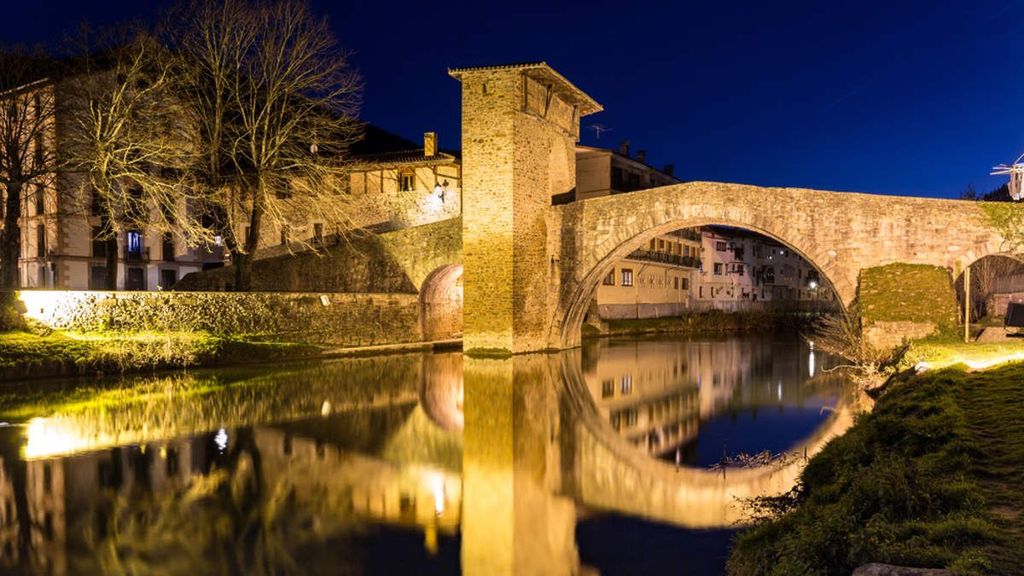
column 669, row 169
column 624, row 148
column 429, row 144
column 641, row 156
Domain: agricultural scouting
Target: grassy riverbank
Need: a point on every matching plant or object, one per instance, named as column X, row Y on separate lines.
column 932, row 477
column 40, row 355
column 711, row 322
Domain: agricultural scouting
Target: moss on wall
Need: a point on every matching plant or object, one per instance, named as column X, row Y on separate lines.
column 908, row 294
column 329, row 319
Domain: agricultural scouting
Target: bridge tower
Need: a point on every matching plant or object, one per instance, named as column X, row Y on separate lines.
column 520, row 125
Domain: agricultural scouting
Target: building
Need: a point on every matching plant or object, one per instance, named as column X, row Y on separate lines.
column 743, row 270
column 61, row 245
column 655, row 281
column 601, row 171
column 390, row 184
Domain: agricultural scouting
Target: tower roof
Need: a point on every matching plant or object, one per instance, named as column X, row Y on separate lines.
column 542, row 72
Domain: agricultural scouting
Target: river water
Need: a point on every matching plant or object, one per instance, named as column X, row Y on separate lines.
column 613, row 459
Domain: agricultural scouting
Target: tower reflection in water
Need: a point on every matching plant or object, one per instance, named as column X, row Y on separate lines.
column 387, row 465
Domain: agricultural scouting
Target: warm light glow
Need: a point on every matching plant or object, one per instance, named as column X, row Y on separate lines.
column 810, row 362
column 43, row 305
column 437, row 488
column 48, row 437
column 221, row 440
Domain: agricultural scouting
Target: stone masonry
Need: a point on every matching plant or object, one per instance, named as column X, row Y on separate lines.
column 520, row 124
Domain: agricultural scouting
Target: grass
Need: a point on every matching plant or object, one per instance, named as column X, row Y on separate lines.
column 933, row 477
column 940, row 353
column 28, row 354
column 908, row 292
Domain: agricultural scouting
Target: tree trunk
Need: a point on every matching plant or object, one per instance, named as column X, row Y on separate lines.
column 111, row 263
column 243, row 265
column 10, row 238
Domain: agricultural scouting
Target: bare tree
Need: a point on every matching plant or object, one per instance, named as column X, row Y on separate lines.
column 275, row 102
column 27, row 158
column 984, row 275
column 128, row 144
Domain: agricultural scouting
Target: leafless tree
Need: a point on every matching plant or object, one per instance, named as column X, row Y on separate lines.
column 984, row 275
column 275, row 102
column 27, row 158
column 126, row 142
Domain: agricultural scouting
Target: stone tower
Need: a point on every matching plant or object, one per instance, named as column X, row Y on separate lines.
column 520, row 125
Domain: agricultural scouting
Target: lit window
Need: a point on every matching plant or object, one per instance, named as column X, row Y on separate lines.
column 609, row 280
column 627, row 277
column 626, row 384
column 407, row 181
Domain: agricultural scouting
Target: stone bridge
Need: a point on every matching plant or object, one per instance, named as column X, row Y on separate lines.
column 530, row 268
column 840, row 233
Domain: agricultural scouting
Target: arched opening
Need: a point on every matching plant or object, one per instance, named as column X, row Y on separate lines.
column 441, row 303
column 705, row 360
column 996, row 281
column 775, row 275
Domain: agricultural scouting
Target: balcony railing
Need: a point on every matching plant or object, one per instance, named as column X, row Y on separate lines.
column 662, row 257
column 141, row 255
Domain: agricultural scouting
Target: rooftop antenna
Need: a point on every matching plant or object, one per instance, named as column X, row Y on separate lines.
column 1016, row 173
column 599, row 129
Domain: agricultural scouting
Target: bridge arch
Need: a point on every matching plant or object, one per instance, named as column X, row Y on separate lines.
column 606, row 256
column 441, row 303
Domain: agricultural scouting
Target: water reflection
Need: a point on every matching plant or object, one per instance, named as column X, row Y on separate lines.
column 697, row 401
column 418, row 463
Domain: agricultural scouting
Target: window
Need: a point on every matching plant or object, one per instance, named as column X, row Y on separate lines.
column 609, row 280
column 99, row 244
column 407, row 181
column 318, row 232
column 607, row 388
column 134, row 246
column 135, row 278
column 168, row 247
column 97, row 277
column 721, row 246
column 136, row 208
column 168, row 278
column 718, row 268
column 654, row 244
column 627, row 277
column 95, row 207
column 40, row 200
column 626, row 384
column 41, row 241
column 661, row 244
column 38, row 150
column 285, row 192
column 686, row 284
column 676, row 282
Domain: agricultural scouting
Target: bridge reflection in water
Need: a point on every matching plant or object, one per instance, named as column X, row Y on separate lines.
column 496, row 458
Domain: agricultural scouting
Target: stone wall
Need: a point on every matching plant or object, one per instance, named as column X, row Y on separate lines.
column 392, row 262
column 906, row 302
column 997, row 303
column 329, row 319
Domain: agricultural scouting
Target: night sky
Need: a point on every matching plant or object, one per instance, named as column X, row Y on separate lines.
column 915, row 98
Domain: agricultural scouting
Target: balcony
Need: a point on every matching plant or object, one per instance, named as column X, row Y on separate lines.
column 663, row 258
column 135, row 254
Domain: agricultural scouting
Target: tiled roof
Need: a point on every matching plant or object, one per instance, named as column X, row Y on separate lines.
column 541, row 71
column 403, row 157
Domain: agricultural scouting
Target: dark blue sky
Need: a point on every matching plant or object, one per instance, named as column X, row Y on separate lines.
column 917, row 98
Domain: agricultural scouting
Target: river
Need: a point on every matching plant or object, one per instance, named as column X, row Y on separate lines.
column 619, row 458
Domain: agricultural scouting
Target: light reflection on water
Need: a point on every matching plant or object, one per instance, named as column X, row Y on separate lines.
column 399, row 464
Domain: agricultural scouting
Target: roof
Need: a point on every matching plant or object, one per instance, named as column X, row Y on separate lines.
column 404, row 157
column 540, row 71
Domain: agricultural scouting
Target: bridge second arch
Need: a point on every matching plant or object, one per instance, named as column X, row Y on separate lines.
column 839, row 233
